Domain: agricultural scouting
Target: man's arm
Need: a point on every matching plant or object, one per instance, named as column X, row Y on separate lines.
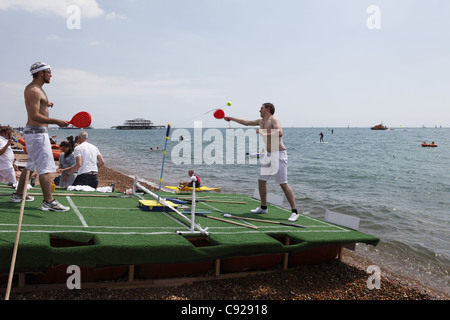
column 77, row 166
column 244, row 122
column 5, row 147
column 33, row 102
column 100, row 161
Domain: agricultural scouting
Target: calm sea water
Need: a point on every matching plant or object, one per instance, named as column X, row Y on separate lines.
column 399, row 189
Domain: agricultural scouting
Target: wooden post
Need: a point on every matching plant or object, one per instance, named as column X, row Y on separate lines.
column 16, row 242
column 286, row 255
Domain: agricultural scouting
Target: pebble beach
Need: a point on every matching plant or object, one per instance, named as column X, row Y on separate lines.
column 339, row 280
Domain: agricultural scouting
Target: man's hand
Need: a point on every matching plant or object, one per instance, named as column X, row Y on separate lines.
column 62, row 123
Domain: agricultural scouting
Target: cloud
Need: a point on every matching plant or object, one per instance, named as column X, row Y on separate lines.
column 88, row 8
column 116, row 86
column 94, row 43
column 11, row 87
column 113, row 15
column 52, row 37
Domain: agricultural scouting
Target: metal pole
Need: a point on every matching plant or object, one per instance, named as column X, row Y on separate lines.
column 164, row 157
column 193, row 207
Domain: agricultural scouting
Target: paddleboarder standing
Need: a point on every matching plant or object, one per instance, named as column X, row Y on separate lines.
column 272, row 132
column 40, row 155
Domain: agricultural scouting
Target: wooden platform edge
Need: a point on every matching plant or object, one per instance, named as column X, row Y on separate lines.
column 129, row 280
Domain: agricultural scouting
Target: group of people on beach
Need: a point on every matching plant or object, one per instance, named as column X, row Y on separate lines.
column 79, row 162
column 85, row 158
column 40, row 156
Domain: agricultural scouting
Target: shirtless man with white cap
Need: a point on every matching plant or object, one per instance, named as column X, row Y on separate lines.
column 40, row 156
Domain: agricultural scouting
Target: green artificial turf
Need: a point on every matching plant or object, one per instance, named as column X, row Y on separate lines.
column 115, row 231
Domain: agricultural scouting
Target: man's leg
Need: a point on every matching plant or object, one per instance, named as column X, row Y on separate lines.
column 262, row 186
column 17, row 196
column 49, row 203
column 289, row 195
column 46, row 185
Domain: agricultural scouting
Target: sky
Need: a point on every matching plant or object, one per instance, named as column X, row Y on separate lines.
column 322, row 63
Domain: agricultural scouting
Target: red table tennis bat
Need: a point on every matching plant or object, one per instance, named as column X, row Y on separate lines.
column 81, row 120
column 219, row 114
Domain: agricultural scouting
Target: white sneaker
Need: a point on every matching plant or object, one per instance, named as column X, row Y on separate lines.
column 53, row 206
column 294, row 216
column 259, row 210
column 17, row 199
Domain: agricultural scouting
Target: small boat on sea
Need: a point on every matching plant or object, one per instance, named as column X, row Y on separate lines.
column 256, row 155
column 433, row 145
column 379, row 127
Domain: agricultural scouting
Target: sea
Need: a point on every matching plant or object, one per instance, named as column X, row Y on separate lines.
column 398, row 189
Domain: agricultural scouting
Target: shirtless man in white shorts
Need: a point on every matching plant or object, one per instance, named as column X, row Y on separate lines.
column 272, row 132
column 40, row 156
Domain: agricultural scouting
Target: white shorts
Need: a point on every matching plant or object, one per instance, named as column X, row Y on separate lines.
column 39, row 149
column 275, row 164
column 8, row 175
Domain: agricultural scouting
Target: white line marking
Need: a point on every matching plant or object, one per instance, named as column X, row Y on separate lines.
column 301, row 215
column 91, row 227
column 108, row 208
column 80, row 216
column 161, row 232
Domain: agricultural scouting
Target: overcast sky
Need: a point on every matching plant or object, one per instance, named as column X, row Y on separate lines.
column 323, row 63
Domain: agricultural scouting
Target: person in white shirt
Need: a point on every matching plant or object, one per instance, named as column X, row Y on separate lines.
column 7, row 172
column 88, row 159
